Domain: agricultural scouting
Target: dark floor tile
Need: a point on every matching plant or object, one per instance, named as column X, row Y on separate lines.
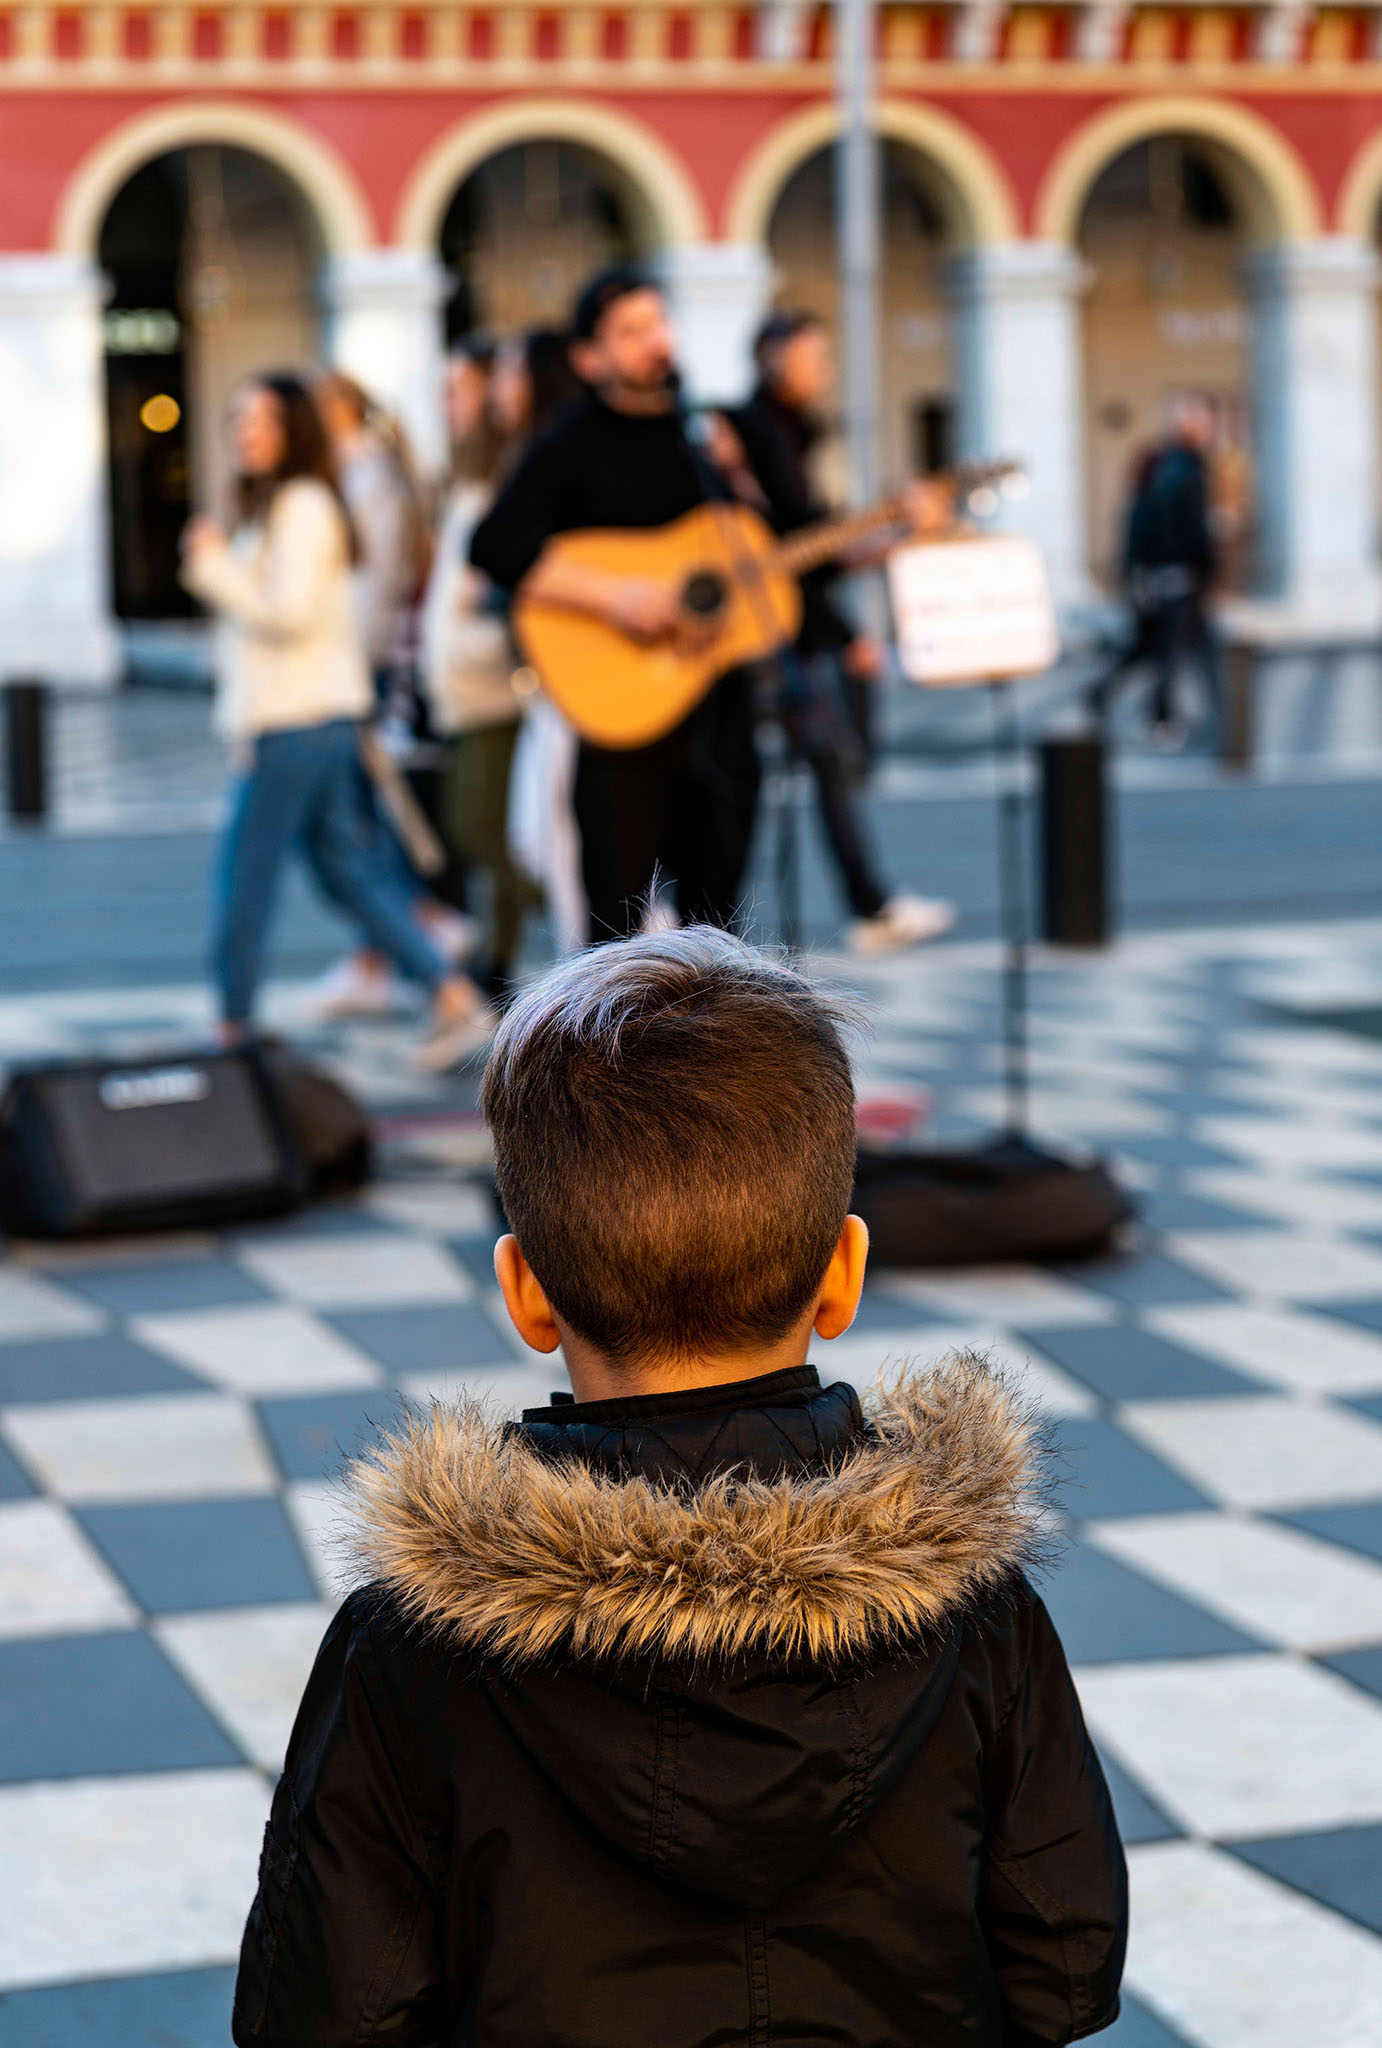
column 1124, row 1363
column 321, row 1219
column 1356, row 1524
column 15, row 1483
column 1139, row 1818
column 1362, row 1668
column 476, row 1253
column 167, row 1286
column 1178, row 1209
column 1179, row 1152
column 879, row 1310
column 1367, row 1404
column 87, row 1369
column 1109, row 1614
column 1100, row 1471
column 87, row 1706
column 179, row 1555
column 1147, row 1280
column 183, row 2009
column 1363, row 1315
column 433, row 1337
column 1342, row 1869
column 312, row 1434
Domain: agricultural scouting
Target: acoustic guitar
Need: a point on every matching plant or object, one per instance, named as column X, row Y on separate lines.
column 740, row 599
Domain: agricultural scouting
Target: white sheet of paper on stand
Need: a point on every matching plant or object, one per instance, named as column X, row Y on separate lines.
column 971, row 611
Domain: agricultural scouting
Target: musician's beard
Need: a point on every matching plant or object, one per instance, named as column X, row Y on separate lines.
column 658, row 391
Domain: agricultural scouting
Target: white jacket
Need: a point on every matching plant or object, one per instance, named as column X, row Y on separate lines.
column 467, row 657
column 290, row 652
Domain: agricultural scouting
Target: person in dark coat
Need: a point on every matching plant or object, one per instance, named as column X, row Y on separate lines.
column 1169, row 562
column 711, row 1705
column 833, row 672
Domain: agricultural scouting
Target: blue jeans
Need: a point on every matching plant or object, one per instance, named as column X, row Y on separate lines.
column 304, row 790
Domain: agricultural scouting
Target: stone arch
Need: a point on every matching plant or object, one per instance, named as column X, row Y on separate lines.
column 985, row 207
column 657, row 174
column 1269, row 181
column 325, row 181
column 1360, row 195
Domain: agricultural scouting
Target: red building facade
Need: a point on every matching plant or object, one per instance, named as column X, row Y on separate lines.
column 1257, row 275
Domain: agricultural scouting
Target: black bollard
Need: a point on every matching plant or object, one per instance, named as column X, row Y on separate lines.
column 26, row 734
column 1074, row 842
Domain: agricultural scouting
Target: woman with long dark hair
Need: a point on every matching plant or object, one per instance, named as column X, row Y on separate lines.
column 293, row 684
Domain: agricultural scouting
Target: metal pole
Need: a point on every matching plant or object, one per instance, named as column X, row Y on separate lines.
column 857, row 210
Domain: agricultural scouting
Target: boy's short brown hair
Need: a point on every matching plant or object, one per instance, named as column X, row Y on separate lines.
column 673, row 1121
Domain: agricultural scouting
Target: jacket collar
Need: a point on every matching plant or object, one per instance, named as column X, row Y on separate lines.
column 890, row 1532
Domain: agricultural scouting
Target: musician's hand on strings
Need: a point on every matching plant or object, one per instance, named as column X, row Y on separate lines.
column 644, row 608
column 930, row 507
column 865, row 658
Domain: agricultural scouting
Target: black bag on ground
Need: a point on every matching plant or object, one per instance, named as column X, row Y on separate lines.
column 184, row 1141
column 181, row 1141
column 326, row 1123
column 1000, row 1201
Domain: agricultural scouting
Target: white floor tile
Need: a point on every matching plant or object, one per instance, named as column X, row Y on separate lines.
column 1282, row 1586
column 52, row 1582
column 358, row 1272
column 250, row 1665
column 1264, row 1452
column 1310, row 1204
column 1307, row 1353
column 442, row 1208
column 1242, row 1746
column 1017, row 1297
column 32, row 1307
column 149, row 1447
column 1294, row 1144
column 107, row 1877
column 508, row 1388
column 260, row 1350
column 320, row 1515
column 1282, row 1264
column 1234, row 1960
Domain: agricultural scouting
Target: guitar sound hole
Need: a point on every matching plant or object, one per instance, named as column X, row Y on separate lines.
column 704, row 593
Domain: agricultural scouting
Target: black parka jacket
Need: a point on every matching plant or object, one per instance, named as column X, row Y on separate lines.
column 715, row 1717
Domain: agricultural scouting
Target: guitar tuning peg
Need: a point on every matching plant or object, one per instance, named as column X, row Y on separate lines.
column 983, row 501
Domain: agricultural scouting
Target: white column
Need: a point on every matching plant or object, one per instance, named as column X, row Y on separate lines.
column 384, row 325
column 1315, row 398
column 718, row 293
column 55, row 619
column 1019, row 384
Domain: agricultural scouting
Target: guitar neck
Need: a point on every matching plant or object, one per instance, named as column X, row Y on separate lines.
column 802, row 552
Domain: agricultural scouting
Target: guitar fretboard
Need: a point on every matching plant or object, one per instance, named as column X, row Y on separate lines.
column 802, row 552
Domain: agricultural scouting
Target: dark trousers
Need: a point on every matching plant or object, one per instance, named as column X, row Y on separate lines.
column 682, row 808
column 1166, row 635
column 820, row 730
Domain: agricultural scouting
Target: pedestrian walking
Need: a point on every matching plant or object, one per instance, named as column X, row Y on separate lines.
column 387, row 505
column 468, row 665
column 293, row 685
column 711, row 1705
column 829, row 678
column 1169, row 564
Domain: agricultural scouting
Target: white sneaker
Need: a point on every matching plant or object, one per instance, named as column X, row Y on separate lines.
column 451, row 1045
column 454, row 935
column 353, row 989
column 903, row 921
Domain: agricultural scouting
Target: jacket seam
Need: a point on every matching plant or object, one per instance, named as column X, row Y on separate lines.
column 760, row 1999
column 1073, row 1968
column 666, row 1769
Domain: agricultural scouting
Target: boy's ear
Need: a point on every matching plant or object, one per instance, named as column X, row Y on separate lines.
column 528, row 1307
column 844, row 1280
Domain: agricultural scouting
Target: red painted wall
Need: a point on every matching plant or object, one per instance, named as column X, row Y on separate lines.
column 43, row 135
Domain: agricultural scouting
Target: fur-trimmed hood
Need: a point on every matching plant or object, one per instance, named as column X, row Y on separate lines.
column 722, row 1623
column 932, row 1500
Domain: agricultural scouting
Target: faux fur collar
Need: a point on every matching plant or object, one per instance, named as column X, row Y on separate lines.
column 478, row 1537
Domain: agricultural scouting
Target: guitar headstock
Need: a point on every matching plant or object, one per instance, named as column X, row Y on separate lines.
column 979, row 486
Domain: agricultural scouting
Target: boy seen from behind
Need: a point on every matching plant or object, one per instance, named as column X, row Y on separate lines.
column 708, row 1706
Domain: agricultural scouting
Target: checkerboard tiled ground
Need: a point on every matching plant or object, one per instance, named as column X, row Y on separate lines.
column 172, row 1414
